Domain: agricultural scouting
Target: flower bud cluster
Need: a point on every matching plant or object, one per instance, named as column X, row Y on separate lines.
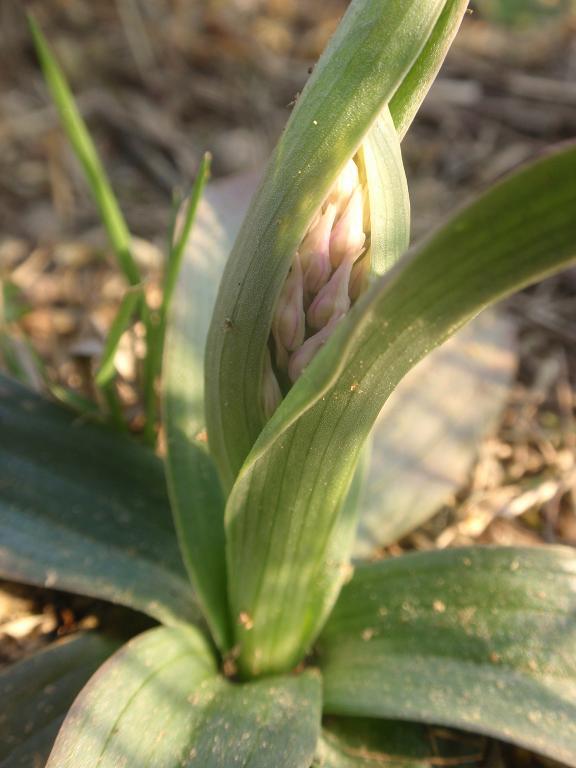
column 328, row 273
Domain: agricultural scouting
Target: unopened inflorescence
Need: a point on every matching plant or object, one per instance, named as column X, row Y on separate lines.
column 328, row 273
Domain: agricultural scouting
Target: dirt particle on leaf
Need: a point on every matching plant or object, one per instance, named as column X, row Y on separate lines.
column 245, row 620
column 439, row 606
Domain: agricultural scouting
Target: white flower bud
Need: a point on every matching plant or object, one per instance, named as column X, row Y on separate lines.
column 348, row 238
column 315, row 251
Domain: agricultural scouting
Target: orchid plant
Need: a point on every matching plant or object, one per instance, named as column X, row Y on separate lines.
column 273, row 647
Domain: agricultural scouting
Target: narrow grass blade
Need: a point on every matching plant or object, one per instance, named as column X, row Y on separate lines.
column 74, row 400
column 87, row 155
column 179, row 246
column 128, row 306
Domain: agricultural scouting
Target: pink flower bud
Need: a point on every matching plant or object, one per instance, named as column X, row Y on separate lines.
column 315, row 251
column 333, row 300
column 308, row 350
column 347, row 239
column 271, row 393
column 288, row 325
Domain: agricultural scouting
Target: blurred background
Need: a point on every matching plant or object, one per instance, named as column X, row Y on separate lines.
column 161, row 81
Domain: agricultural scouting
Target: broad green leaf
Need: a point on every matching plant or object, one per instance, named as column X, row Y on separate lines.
column 372, row 51
column 427, row 435
column 193, row 483
column 36, row 693
column 84, row 510
column 480, row 639
column 368, row 743
column 87, row 155
column 270, row 722
column 282, row 514
column 160, row 702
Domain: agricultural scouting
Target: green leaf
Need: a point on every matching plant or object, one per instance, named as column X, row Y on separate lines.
column 37, row 692
column 368, row 743
column 372, row 51
column 87, row 155
column 390, row 237
column 388, row 194
column 427, row 436
column 481, row 639
column 85, row 510
column 128, row 305
column 178, row 248
column 283, row 511
column 157, row 329
column 160, row 702
column 12, row 303
column 195, row 493
column 270, row 722
column 412, row 91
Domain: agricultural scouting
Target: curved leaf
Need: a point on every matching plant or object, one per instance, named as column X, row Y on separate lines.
column 390, row 237
column 36, row 693
column 482, row 639
column 160, row 702
column 427, row 435
column 413, row 89
column 193, row 483
column 369, row 743
column 282, row 514
column 85, row 510
column 388, row 192
column 373, row 49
